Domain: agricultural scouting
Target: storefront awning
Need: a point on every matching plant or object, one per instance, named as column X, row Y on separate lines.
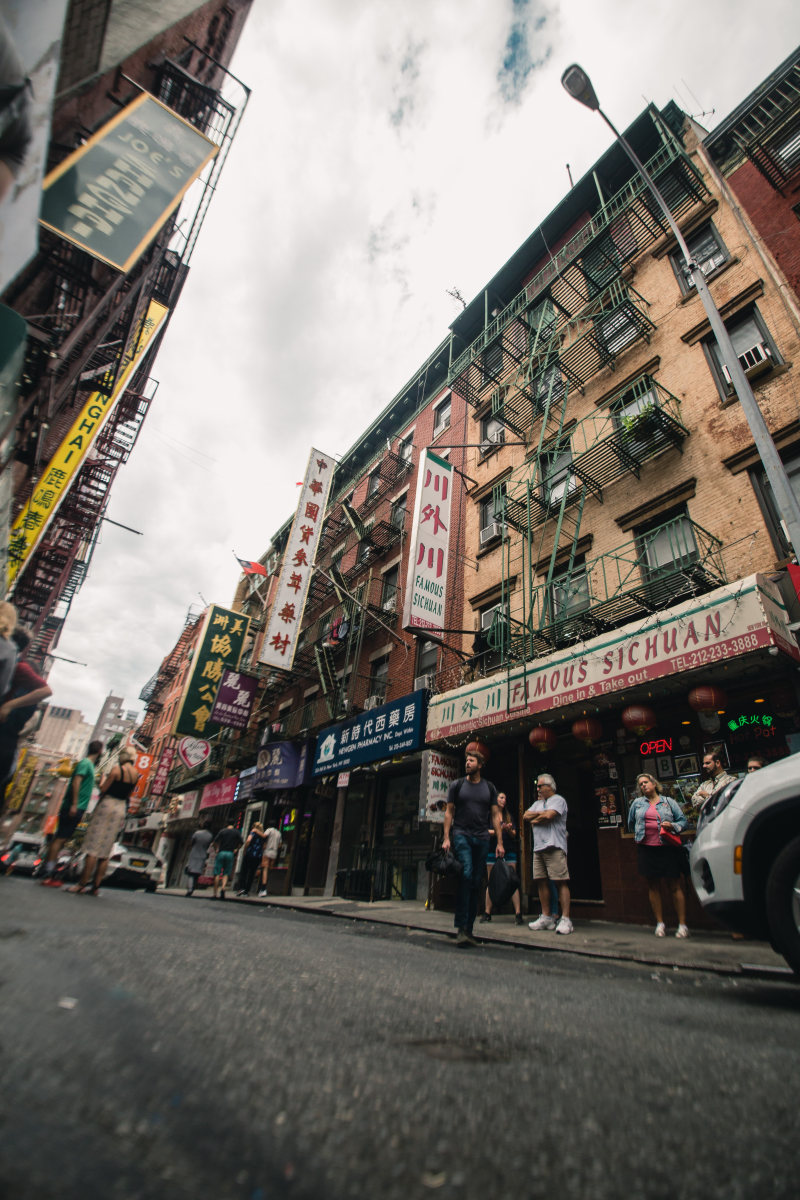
column 731, row 622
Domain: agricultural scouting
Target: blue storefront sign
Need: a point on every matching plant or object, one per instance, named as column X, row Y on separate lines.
column 394, row 728
column 281, row 765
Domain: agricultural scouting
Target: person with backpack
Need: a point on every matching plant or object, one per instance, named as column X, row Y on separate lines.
column 471, row 806
column 251, row 858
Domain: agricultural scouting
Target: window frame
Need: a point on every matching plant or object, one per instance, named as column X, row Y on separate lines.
column 714, row 358
column 441, row 423
column 685, row 284
column 642, row 536
column 558, row 613
column 553, row 479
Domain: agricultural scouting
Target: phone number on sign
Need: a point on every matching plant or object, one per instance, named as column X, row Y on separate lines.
column 738, row 645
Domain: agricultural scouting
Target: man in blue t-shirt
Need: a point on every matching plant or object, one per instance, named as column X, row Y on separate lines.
column 471, row 804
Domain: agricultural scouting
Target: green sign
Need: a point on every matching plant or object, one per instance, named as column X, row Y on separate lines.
column 113, row 194
column 220, row 646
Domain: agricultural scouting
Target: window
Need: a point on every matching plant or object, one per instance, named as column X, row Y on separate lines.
column 379, row 678
column 397, row 517
column 569, row 593
column 492, row 636
column 787, row 151
column 493, row 363
column 707, row 248
column 753, row 345
column 365, row 547
column 491, row 514
column 374, row 483
column 548, row 387
column 389, row 588
column 628, row 414
column 493, row 433
column 557, row 477
column 766, row 498
column 406, row 447
column 427, row 657
column 441, row 415
column 668, row 545
column 616, row 330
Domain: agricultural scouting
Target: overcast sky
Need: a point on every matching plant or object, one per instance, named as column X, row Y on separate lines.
column 389, row 152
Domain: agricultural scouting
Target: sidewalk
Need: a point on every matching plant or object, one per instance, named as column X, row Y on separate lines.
column 703, row 951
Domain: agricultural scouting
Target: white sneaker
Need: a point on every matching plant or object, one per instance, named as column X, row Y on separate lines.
column 661, row 929
column 262, row 893
column 545, row 921
column 682, row 931
column 564, row 925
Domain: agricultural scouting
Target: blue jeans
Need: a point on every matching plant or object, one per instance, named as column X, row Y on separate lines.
column 471, row 852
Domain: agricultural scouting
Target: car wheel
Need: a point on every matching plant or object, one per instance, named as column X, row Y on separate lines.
column 150, row 886
column 783, row 903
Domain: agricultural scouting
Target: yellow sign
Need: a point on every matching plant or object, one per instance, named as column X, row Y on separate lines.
column 57, row 478
column 18, row 788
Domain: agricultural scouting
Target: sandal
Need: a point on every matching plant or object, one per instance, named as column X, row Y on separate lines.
column 79, row 887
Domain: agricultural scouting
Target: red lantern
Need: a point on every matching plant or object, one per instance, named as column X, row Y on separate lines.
column 542, row 738
column 707, row 698
column 638, row 718
column 480, row 747
column 587, row 729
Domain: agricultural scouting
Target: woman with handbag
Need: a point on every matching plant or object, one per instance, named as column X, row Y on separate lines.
column 106, row 821
column 656, row 821
column 511, row 844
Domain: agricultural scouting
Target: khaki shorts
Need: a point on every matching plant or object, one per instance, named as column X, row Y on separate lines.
column 550, row 864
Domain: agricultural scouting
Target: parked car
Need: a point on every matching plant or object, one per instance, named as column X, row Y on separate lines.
column 29, row 857
column 128, row 866
column 745, row 861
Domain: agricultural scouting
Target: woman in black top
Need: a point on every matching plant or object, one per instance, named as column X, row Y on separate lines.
column 511, row 844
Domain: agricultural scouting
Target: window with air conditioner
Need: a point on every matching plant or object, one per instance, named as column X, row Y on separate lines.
column 707, row 249
column 378, row 680
column 558, row 480
column 441, row 416
column 755, row 349
column 389, row 582
column 491, row 516
column 427, row 661
column 493, row 434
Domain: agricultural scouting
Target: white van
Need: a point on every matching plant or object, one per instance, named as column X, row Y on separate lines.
column 746, row 857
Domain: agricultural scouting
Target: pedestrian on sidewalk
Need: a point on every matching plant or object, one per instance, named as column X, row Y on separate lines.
column 107, row 821
column 548, row 818
column 272, row 845
column 73, row 807
column 649, row 814
column 251, row 858
column 20, row 702
column 198, row 853
column 471, row 805
column 227, row 841
column 511, row 845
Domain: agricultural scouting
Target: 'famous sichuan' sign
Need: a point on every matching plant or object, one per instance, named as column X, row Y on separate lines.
column 220, row 646
column 113, row 194
column 733, row 620
column 426, row 583
column 280, row 641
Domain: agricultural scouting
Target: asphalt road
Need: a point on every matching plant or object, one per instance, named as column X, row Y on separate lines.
column 155, row 1047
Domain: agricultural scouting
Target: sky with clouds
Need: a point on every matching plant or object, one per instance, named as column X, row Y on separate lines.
column 389, row 152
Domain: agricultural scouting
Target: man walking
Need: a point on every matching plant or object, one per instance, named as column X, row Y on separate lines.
column 548, row 817
column 471, row 804
column 272, row 844
column 715, row 777
column 73, row 809
column 227, row 841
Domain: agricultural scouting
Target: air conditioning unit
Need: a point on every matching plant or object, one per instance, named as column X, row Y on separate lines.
column 424, row 681
column 494, row 439
column 754, row 361
column 488, row 617
column 491, row 532
column 390, row 603
column 372, row 702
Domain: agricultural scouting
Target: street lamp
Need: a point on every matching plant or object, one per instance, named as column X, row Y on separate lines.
column 579, row 85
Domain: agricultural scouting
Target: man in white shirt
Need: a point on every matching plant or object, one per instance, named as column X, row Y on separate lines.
column 548, row 819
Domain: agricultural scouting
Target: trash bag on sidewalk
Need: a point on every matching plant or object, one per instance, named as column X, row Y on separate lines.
column 503, row 882
column 443, row 862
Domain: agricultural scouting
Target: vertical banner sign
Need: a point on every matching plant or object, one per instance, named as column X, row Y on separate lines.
column 280, row 642
column 58, row 475
column 159, row 784
column 426, row 583
column 112, row 195
column 220, row 646
column 438, row 772
column 234, row 700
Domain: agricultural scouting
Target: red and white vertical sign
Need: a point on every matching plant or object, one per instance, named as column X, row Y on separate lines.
column 280, row 642
column 426, row 584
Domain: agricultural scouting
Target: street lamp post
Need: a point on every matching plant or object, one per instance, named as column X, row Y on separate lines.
column 577, row 83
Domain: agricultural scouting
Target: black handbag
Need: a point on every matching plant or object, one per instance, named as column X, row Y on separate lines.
column 443, row 862
column 503, row 882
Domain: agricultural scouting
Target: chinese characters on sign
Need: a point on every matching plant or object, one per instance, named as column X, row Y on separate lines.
column 234, row 699
column 438, row 772
column 282, row 765
column 426, row 583
column 280, row 641
column 378, row 733
column 220, row 646
column 113, row 194
column 56, row 479
column 159, row 784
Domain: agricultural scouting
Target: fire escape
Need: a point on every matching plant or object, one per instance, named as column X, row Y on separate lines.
column 84, row 319
column 575, row 317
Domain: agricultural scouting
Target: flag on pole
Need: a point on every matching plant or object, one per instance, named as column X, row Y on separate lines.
column 251, row 568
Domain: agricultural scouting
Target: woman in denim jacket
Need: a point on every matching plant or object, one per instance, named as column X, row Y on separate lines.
column 649, row 813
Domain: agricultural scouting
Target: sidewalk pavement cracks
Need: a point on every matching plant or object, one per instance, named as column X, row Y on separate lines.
column 703, row 950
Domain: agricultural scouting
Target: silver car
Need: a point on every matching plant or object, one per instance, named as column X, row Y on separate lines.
column 128, row 866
